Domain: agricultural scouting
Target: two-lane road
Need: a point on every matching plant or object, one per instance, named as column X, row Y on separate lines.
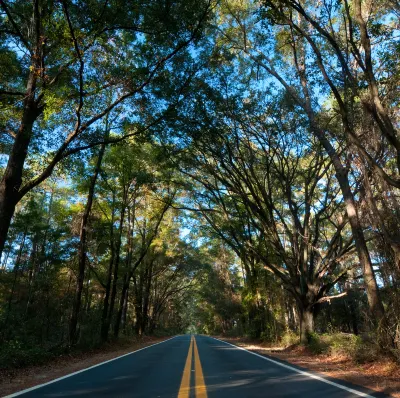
column 193, row 366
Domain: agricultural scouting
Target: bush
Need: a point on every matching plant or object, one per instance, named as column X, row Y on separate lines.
column 233, row 333
column 14, row 355
column 289, row 338
column 352, row 346
column 317, row 344
column 345, row 344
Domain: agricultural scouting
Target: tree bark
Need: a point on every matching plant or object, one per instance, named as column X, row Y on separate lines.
column 104, row 317
column 73, row 336
column 128, row 274
column 16, row 270
column 146, row 300
column 12, row 178
column 115, row 273
column 306, row 324
column 122, row 303
column 341, row 173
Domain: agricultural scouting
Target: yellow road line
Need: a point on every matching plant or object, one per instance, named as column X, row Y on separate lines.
column 200, row 386
column 184, row 390
column 201, row 390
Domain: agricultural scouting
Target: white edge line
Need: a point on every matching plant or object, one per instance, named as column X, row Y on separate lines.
column 313, row 376
column 82, row 370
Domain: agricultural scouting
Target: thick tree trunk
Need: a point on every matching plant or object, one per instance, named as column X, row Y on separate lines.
column 371, row 286
column 73, row 336
column 341, row 173
column 306, row 324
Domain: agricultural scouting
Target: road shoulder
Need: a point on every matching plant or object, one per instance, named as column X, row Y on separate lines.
column 380, row 376
column 13, row 380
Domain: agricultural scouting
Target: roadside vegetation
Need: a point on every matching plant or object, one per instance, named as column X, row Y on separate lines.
column 220, row 167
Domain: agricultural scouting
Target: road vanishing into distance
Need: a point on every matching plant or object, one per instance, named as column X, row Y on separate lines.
column 194, row 367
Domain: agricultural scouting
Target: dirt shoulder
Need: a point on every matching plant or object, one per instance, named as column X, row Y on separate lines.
column 15, row 380
column 381, row 376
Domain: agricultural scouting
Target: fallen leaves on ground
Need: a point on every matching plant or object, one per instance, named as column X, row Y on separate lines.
column 19, row 379
column 382, row 375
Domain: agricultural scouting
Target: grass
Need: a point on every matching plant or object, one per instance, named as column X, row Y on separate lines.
column 345, row 344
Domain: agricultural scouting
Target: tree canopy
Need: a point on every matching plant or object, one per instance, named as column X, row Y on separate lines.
column 215, row 166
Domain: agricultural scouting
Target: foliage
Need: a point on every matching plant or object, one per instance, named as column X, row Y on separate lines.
column 14, row 355
column 345, row 345
column 225, row 167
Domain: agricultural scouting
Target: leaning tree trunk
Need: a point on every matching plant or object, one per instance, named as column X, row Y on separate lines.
column 371, row 286
column 341, row 173
column 12, row 177
column 73, row 335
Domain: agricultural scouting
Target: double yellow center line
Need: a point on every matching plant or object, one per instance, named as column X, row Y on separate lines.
column 200, row 387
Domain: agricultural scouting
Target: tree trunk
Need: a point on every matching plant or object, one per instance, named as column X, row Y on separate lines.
column 73, row 336
column 128, row 275
column 306, row 324
column 16, row 269
column 146, row 300
column 125, row 311
column 353, row 313
column 341, row 173
column 115, row 274
column 31, row 276
column 371, row 286
column 138, row 304
column 104, row 317
column 12, row 177
column 122, row 303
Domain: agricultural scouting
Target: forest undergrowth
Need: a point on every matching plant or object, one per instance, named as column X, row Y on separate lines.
column 338, row 356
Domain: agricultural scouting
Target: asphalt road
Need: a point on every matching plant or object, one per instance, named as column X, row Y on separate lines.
column 194, row 367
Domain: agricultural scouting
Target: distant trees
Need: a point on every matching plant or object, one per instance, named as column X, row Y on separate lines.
column 134, row 266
